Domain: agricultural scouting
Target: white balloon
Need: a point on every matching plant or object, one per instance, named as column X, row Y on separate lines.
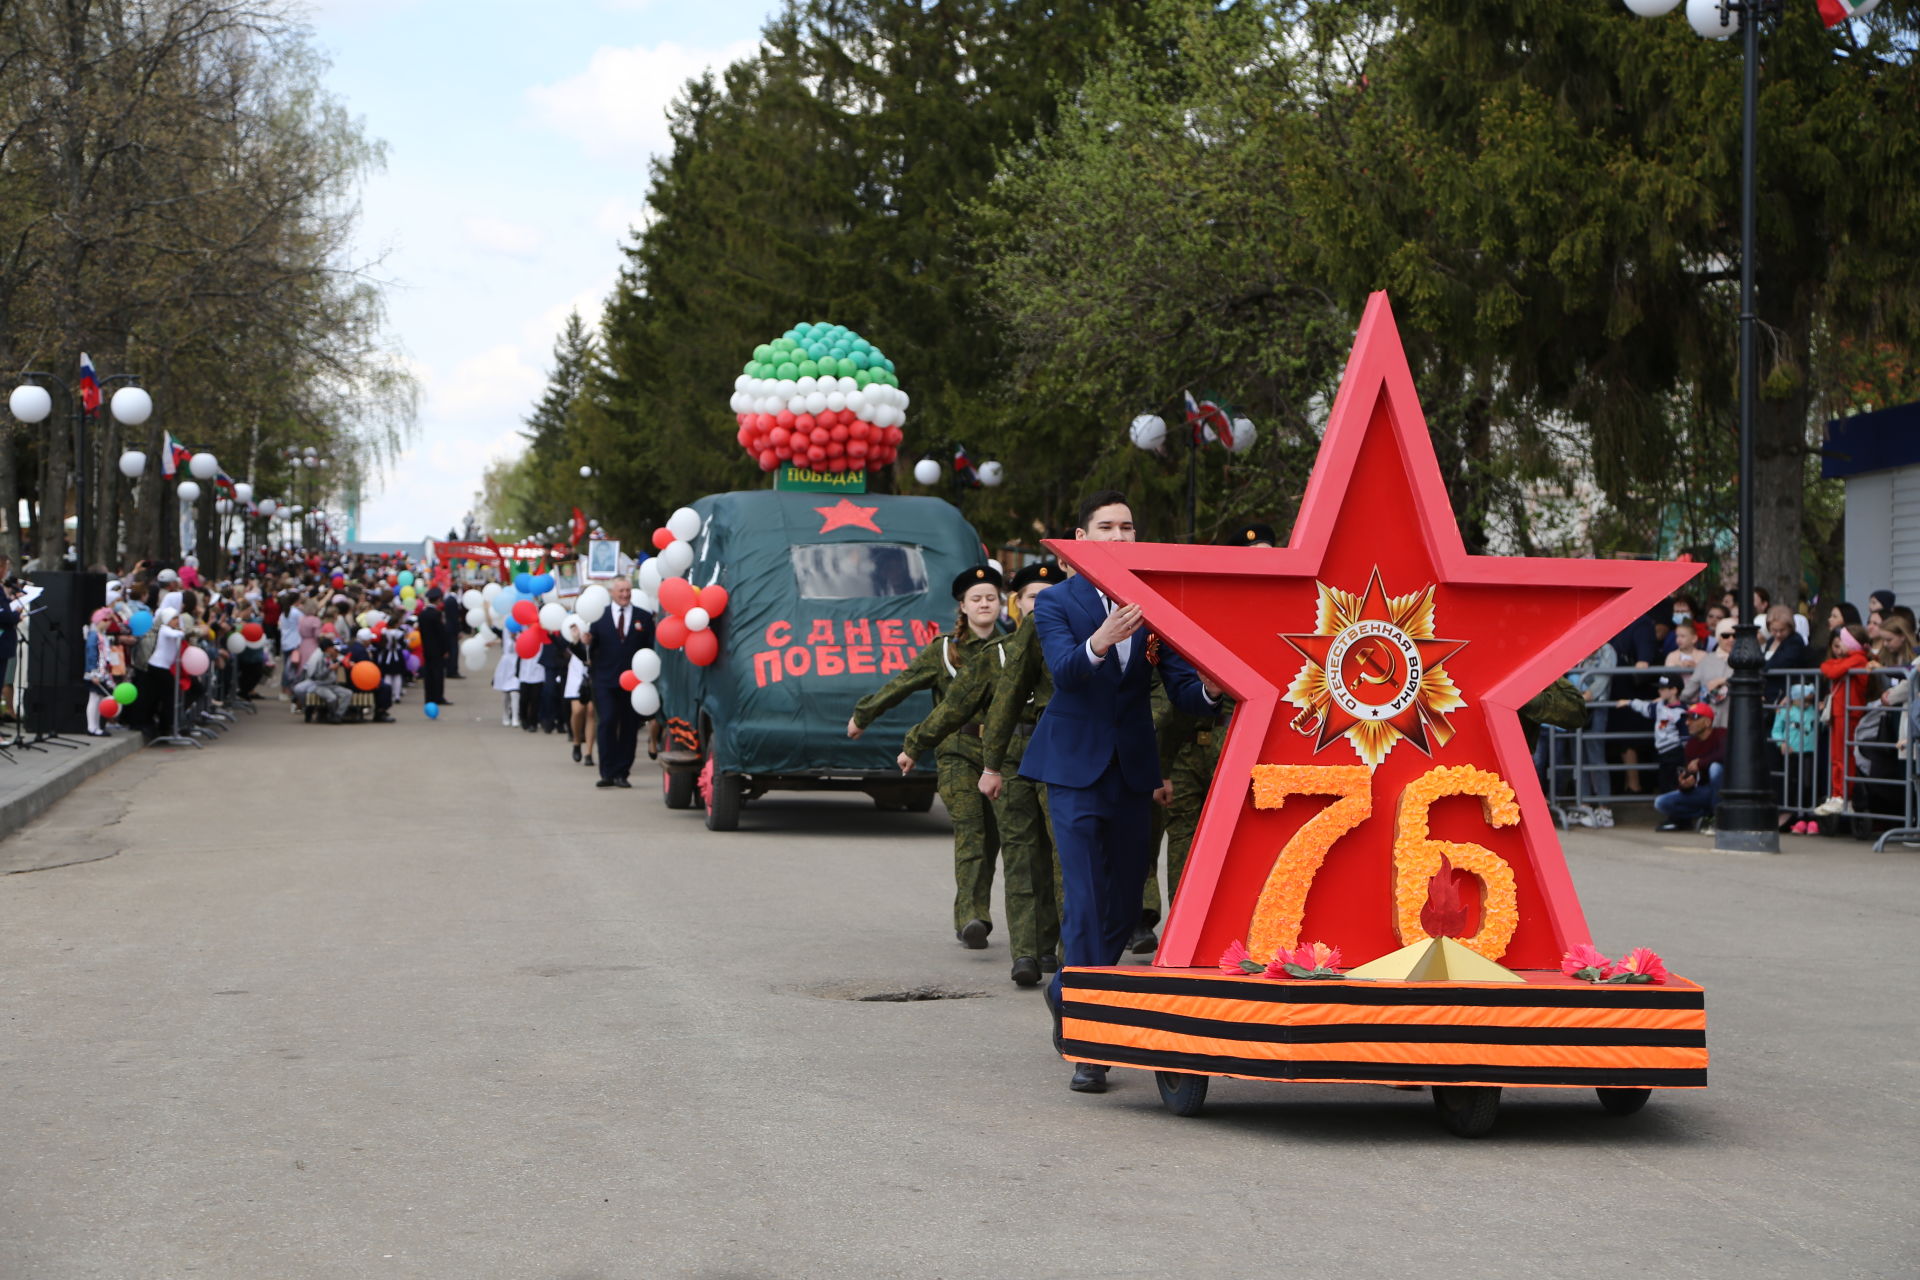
column 650, row 574
column 836, row 401
column 489, row 591
column 740, row 383
column 188, row 491
column 900, row 399
column 242, row 492
column 674, row 561
column 816, row 403
column 551, row 616
column 574, row 625
column 1707, row 20
column 806, row 383
column 646, row 699
column 268, row 506
column 1149, row 431
column 1244, row 433
column 131, row 406
column 740, row 402
column 684, row 524
column 646, row 665
column 926, row 471
column 796, row 403
column 473, row 601
column 592, row 603
column 133, row 464
column 849, row 385
column 204, row 466
column 991, row 474
column 474, row 653
column 236, row 643
column 645, row 603
column 30, row 403
column 697, row 619
column 785, row 387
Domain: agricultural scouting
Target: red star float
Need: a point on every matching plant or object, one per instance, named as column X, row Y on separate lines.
column 1378, row 670
column 847, row 515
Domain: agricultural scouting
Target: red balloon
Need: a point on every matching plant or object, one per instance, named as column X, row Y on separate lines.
column 835, row 449
column 677, row 596
column 744, row 435
column 838, row 433
column 765, row 421
column 816, row 455
column 805, row 422
column 856, row 448
column 783, row 452
column 252, row 631
column 528, row 644
column 109, row 708
column 769, row 459
column 526, row 613
column 714, row 600
column 661, row 537
column 895, row 435
column 819, row 435
column 379, row 625
column 702, row 648
column 670, row 633
column 858, row 429
column 784, row 418
column 629, row 680
column 777, row 437
column 836, row 464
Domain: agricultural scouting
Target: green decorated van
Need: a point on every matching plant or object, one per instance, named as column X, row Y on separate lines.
column 830, row 595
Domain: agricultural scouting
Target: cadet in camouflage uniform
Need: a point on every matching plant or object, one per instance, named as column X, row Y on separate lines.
column 976, row 837
column 1026, row 849
column 1189, row 755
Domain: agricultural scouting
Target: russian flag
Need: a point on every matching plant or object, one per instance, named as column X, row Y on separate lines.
column 89, row 385
column 170, row 455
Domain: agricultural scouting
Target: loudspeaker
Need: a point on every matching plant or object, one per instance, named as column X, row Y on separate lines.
column 56, row 700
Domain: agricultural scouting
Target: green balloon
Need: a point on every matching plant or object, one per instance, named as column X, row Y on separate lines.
column 787, row 371
column 762, row 351
column 843, row 367
column 808, row 369
column 124, row 693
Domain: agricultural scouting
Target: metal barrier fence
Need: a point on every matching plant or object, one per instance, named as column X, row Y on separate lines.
column 1586, row 772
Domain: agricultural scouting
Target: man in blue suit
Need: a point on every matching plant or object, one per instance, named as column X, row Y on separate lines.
column 1095, row 749
column 619, row 633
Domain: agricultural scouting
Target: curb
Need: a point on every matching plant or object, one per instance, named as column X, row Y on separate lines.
column 18, row 811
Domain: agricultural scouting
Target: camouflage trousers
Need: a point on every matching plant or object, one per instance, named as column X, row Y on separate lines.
column 1191, row 775
column 976, row 833
column 1033, row 872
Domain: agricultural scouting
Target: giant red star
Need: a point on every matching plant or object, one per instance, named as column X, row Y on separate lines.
column 1414, row 652
column 847, row 515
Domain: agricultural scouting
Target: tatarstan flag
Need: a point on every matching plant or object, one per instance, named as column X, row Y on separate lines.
column 1835, row 12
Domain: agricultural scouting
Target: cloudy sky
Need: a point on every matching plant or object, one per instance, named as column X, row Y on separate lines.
column 518, row 138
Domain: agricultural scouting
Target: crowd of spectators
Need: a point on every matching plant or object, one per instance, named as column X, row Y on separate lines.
column 1837, row 696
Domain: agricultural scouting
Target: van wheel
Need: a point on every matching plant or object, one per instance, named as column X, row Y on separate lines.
column 677, row 786
column 919, row 800
column 724, row 795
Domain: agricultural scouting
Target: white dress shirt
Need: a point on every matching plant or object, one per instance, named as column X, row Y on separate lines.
column 1124, row 648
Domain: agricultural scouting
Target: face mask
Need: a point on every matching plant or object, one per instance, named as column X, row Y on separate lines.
column 1680, row 616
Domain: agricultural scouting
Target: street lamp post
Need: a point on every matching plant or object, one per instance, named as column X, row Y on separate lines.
column 31, row 404
column 1746, row 819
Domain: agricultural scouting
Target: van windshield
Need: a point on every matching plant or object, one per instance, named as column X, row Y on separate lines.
column 856, row 570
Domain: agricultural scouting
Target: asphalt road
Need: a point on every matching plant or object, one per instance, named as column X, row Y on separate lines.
column 417, row 1001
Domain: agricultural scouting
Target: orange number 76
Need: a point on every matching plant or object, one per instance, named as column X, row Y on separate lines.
column 1282, row 903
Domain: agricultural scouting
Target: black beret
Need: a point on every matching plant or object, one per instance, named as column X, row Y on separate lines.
column 975, row 576
column 1039, row 571
column 1249, row 534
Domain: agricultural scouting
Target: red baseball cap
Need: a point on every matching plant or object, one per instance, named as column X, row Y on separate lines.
column 1700, row 709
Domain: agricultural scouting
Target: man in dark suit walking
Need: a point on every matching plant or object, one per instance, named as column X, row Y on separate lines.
column 1095, row 749
column 612, row 640
column 434, row 647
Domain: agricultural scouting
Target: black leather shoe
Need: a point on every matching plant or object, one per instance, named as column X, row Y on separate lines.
column 623, row 784
column 1144, row 943
column 1088, row 1078
column 607, row 782
column 973, row 935
column 1026, row 972
column 1049, row 964
column 576, row 753
column 383, row 718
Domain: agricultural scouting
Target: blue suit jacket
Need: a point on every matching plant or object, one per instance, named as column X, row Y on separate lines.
column 1099, row 714
column 611, row 653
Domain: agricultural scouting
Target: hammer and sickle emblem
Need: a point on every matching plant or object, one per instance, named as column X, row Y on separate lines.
column 1371, row 657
